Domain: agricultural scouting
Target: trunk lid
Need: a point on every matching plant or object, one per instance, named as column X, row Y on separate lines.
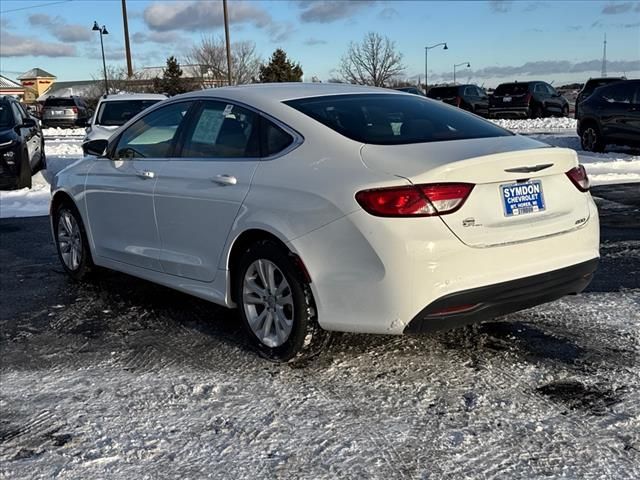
column 520, row 165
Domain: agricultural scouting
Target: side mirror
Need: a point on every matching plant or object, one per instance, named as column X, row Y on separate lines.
column 96, row 147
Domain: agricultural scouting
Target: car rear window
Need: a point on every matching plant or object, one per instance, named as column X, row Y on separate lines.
column 591, row 85
column 443, row 92
column 512, row 89
column 118, row 112
column 390, row 119
column 59, row 102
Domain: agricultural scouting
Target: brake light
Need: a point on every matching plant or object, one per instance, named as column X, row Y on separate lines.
column 415, row 201
column 75, row 109
column 527, row 99
column 458, row 101
column 579, row 178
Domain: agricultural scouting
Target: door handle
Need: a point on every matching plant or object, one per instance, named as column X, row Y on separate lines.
column 146, row 174
column 225, row 180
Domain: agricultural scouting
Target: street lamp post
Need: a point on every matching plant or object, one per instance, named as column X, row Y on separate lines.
column 103, row 31
column 459, row 65
column 426, row 58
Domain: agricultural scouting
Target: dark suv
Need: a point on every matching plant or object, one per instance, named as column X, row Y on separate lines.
column 527, row 100
column 21, row 145
column 468, row 97
column 65, row 112
column 611, row 114
column 591, row 85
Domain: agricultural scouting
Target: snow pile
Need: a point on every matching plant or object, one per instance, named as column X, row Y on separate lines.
column 63, row 132
column 531, row 125
column 35, row 202
column 25, row 202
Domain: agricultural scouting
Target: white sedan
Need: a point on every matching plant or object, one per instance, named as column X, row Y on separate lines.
column 319, row 207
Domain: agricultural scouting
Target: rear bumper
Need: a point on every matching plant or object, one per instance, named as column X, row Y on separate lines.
column 509, row 112
column 502, row 298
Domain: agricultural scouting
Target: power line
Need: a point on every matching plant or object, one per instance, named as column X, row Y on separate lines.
column 35, row 6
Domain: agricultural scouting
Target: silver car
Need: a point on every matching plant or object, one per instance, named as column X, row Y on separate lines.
column 65, row 112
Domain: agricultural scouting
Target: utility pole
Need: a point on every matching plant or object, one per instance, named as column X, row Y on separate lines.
column 127, row 47
column 102, row 31
column 226, row 34
column 426, row 60
column 604, row 57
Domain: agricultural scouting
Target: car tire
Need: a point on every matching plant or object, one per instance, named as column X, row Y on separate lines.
column 71, row 241
column 276, row 304
column 591, row 140
column 24, row 179
column 536, row 112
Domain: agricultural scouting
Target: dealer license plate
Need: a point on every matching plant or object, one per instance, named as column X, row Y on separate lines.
column 522, row 198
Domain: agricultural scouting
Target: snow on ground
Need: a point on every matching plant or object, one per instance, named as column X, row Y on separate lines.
column 532, row 125
column 118, row 389
column 35, row 202
column 63, row 132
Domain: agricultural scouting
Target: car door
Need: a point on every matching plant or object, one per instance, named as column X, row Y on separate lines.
column 119, row 188
column 483, row 102
column 199, row 194
column 28, row 134
column 555, row 99
column 35, row 137
column 542, row 95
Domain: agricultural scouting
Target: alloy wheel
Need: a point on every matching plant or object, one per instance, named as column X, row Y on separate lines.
column 589, row 139
column 69, row 240
column 268, row 303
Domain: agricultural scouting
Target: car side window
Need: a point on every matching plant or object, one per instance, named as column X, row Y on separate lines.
column 274, row 139
column 618, row 93
column 551, row 90
column 153, row 135
column 470, row 91
column 222, row 130
column 539, row 88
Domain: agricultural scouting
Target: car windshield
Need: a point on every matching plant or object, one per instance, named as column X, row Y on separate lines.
column 512, row 89
column 389, row 119
column 6, row 116
column 59, row 102
column 443, row 92
column 116, row 113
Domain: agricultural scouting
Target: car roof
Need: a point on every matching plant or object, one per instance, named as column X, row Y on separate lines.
column 276, row 93
column 133, row 96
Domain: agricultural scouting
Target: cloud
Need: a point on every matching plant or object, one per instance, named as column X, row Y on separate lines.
column 500, row 6
column 112, row 53
column 388, row 14
column 552, row 67
column 202, row 15
column 314, row 41
column 615, row 8
column 280, row 32
column 65, row 32
column 19, row 46
column 158, row 37
column 328, row 11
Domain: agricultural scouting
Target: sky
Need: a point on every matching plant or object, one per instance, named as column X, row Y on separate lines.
column 558, row 41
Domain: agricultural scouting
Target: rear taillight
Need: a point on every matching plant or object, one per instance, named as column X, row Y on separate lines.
column 75, row 109
column 415, row 201
column 458, row 101
column 579, row 178
column 527, row 99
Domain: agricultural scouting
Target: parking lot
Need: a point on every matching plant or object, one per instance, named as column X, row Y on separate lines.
column 121, row 378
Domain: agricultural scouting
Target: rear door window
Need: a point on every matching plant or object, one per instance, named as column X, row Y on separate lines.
column 222, row 130
column 118, row 112
column 389, row 119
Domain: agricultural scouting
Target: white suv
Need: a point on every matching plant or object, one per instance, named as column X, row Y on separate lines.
column 113, row 111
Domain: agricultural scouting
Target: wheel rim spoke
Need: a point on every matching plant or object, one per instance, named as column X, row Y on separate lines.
column 69, row 240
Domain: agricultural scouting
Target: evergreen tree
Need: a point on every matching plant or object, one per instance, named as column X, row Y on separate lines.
column 171, row 82
column 280, row 69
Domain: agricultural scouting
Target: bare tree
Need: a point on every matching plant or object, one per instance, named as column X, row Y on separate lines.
column 374, row 61
column 210, row 54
